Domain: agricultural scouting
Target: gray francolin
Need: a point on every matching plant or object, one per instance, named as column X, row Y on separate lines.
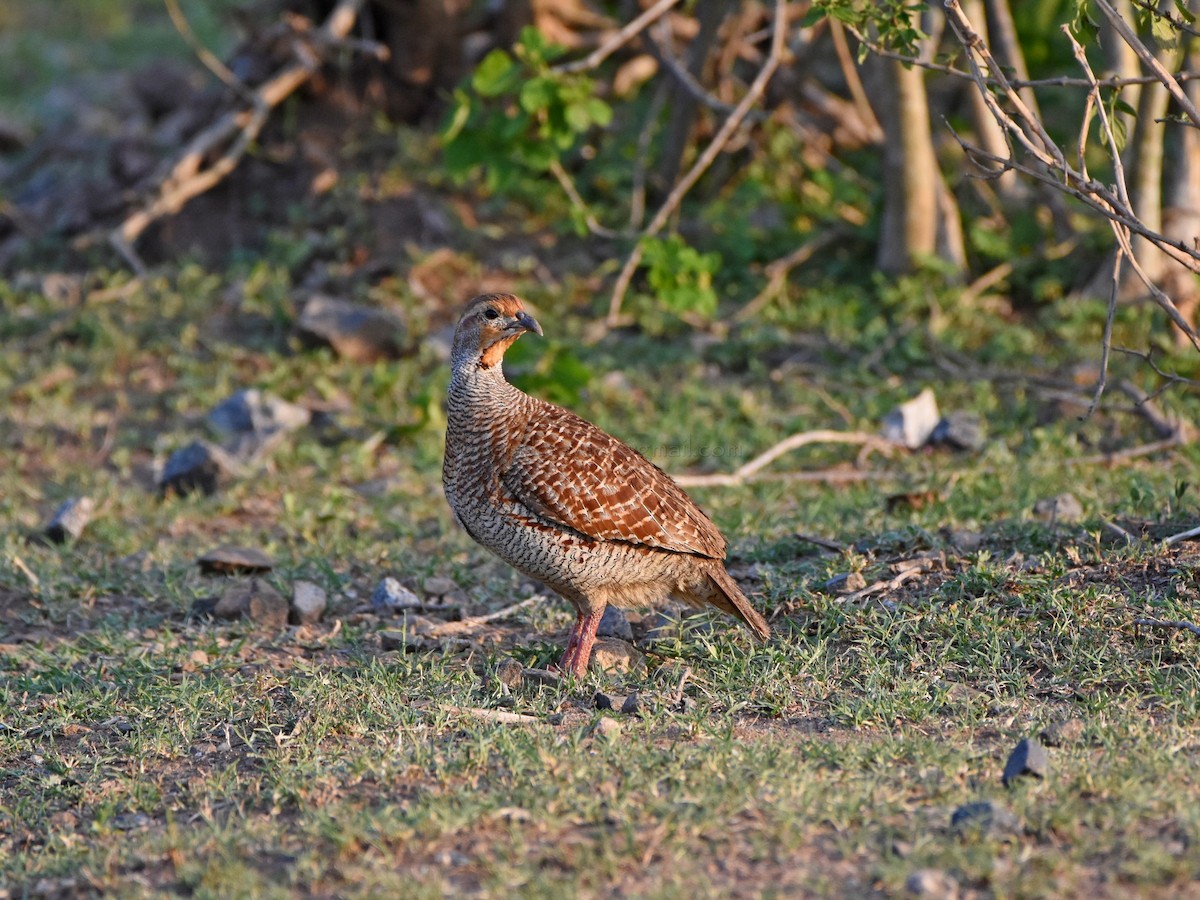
column 564, row 502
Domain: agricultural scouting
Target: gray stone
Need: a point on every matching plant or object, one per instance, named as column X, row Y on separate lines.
column 984, row 818
column 616, row 657
column 255, row 599
column 606, row 727
column 258, row 412
column 308, row 603
column 1063, row 508
column 358, row 333
column 1027, row 758
column 910, row 424
column 230, row 560
column 390, row 595
column 198, row 467
column 959, row 431
column 932, row 883
column 845, row 583
column 632, row 705
column 440, row 587
column 509, row 673
column 615, row 624
column 69, row 520
column 602, row 701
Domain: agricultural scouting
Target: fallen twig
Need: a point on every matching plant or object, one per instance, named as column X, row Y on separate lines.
column 706, row 158
column 778, row 271
column 499, row 716
column 1163, row 425
column 191, row 175
column 1161, row 623
column 821, row 542
column 620, row 39
column 1182, row 536
column 750, row 471
column 467, row 624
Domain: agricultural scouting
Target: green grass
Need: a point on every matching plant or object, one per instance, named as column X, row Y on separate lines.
column 141, row 749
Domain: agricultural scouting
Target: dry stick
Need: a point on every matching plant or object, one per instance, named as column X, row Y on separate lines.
column 475, row 621
column 210, row 60
column 187, row 177
column 750, row 471
column 714, row 148
column 1149, row 60
column 618, row 40
column 1144, row 405
column 499, row 716
column 1160, row 623
column 568, row 185
column 1182, row 536
column 1042, row 148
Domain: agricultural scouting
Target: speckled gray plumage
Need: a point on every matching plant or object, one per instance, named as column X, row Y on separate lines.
column 564, row 502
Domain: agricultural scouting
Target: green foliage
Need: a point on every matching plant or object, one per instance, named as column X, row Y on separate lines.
column 549, row 369
column 893, row 21
column 519, row 116
column 680, row 276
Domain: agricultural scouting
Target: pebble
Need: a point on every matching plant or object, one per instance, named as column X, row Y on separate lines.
column 984, row 818
column 1027, row 758
column 509, row 673
column 361, row 334
column 910, row 424
column 230, row 560
column 308, row 603
column 198, row 467
column 254, row 599
column 845, row 583
column 615, row 624
column 632, row 705
column 616, row 657
column 69, row 520
column 959, row 431
column 1063, row 508
column 258, row 412
column 606, row 727
column 932, row 883
column 390, row 595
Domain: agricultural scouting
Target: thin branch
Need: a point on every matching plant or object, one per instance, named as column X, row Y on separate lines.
column 1144, row 405
column 714, row 148
column 1182, row 536
column 1106, row 343
column 475, row 621
column 589, row 219
column 751, row 470
column 1160, row 623
column 210, row 60
column 618, row 40
column 189, row 175
column 498, row 716
column 1149, row 60
column 777, row 272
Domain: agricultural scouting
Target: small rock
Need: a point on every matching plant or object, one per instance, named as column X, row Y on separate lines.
column 130, row 821
column 959, row 431
column 910, row 424
column 615, row 624
column 360, row 334
column 308, row 603
column 200, row 466
column 509, row 673
column 256, row 411
column 632, row 705
column 69, row 520
column 1063, row 508
column 440, row 587
column 606, row 727
column 984, row 819
column 602, row 701
column 845, row 583
column 1063, row 734
column 256, row 600
column 615, row 657
column 390, row 595
column 255, row 423
column 965, row 541
column 932, row 883
column 1027, row 758
column 230, row 560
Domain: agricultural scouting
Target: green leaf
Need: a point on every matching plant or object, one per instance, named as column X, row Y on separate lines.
column 496, row 75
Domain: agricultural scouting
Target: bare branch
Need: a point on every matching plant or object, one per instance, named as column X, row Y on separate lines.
column 620, row 39
column 1160, row 623
column 714, row 148
column 751, row 470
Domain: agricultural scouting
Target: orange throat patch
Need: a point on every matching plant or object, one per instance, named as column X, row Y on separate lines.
column 494, row 352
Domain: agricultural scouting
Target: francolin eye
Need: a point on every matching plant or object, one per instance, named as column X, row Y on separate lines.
column 491, row 313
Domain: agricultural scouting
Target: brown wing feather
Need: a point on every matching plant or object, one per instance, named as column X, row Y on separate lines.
column 568, row 471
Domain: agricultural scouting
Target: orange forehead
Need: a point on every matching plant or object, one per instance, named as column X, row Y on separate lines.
column 505, row 304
